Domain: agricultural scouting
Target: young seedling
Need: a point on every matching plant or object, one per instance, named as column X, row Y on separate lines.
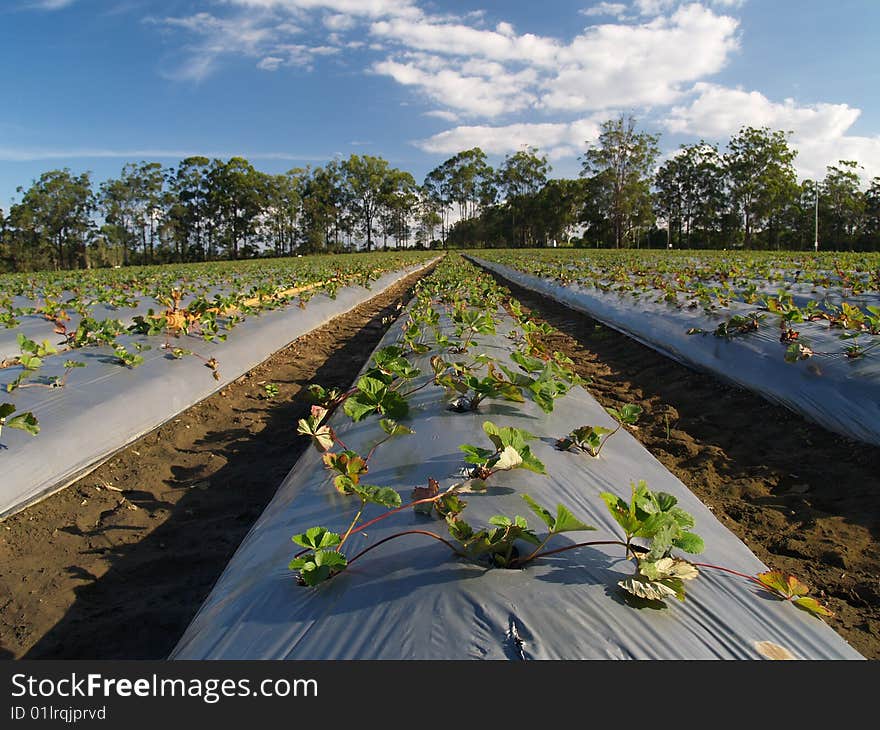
column 126, row 358
column 511, row 452
column 655, row 518
column 270, row 391
column 23, row 421
column 592, row 439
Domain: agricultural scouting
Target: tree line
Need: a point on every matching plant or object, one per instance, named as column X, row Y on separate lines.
column 746, row 195
column 701, row 196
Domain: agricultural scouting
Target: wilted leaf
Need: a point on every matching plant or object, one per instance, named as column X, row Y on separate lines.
column 811, row 605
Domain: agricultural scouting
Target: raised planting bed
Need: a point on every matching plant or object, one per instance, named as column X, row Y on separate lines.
column 137, row 382
column 467, row 498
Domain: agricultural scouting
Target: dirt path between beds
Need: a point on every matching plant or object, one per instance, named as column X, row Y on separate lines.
column 116, row 565
column 803, row 499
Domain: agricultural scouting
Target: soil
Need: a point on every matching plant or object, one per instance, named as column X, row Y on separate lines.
column 804, row 500
column 116, row 565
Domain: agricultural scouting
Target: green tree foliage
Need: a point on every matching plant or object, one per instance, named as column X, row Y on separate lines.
column 52, row 225
column 761, row 179
column 206, row 209
column 620, row 165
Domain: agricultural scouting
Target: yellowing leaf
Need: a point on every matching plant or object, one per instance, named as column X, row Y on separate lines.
column 509, row 459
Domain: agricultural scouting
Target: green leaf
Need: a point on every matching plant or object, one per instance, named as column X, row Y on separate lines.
column 25, row 422
column 357, row 408
column 620, row 511
column 372, row 388
column 690, row 543
column 6, row 409
column 543, row 513
column 528, row 363
column 394, row 405
column 384, row 496
column 459, row 529
column 476, row 455
column 392, row 428
column 567, row 522
column 531, row 462
column 507, row 436
column 319, row 566
column 316, row 538
column 500, row 521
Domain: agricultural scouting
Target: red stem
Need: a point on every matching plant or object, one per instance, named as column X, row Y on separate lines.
column 751, row 578
column 430, row 500
column 402, row 534
column 593, row 543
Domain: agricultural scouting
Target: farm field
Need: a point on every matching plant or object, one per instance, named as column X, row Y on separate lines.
column 802, row 331
column 85, row 358
column 740, row 468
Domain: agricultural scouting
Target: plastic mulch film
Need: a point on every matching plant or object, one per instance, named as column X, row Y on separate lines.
column 840, row 394
column 411, row 598
column 105, row 406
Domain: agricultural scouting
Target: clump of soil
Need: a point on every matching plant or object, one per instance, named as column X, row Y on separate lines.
column 116, row 565
column 804, row 500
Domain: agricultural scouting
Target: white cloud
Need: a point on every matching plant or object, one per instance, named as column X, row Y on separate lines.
column 340, row 22
column 614, row 10
column 270, row 63
column 250, row 36
column 363, row 8
column 51, row 4
column 555, row 139
column 484, row 90
column 443, row 114
column 608, row 65
column 819, row 131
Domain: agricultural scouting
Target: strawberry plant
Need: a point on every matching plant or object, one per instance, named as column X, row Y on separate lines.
column 511, row 452
column 655, row 530
column 592, row 439
column 26, row 422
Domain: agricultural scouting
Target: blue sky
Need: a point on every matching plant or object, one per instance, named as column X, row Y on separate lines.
column 92, row 84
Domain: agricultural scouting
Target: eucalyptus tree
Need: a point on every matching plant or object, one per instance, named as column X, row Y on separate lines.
column 621, row 165
column 188, row 207
column 235, row 200
column 325, row 214
column 843, row 202
column 760, row 173
column 54, row 219
column 519, row 178
column 871, row 219
column 438, row 195
column 399, row 200
column 366, row 179
column 689, row 192
column 117, row 208
column 283, row 210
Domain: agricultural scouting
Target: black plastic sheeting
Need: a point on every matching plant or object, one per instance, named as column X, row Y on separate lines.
column 838, row 393
column 412, row 599
column 105, row 406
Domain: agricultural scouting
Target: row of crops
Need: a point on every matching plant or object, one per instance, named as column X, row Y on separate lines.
column 468, row 498
column 803, row 330
column 115, row 353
